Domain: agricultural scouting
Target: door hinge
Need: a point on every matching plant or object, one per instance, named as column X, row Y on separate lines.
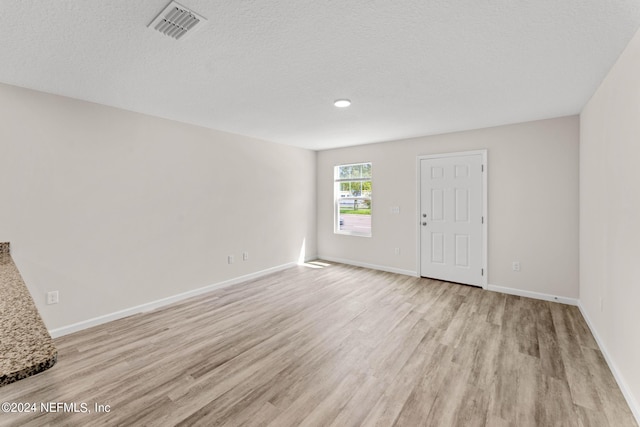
column 482, row 220
column 482, row 271
column 482, row 168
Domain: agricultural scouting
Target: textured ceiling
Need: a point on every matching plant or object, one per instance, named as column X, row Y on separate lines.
column 271, row 70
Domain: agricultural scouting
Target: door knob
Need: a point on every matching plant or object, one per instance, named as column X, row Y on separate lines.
column 424, row 223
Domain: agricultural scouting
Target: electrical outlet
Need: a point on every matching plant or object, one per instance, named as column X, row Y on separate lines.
column 515, row 266
column 245, row 256
column 395, row 209
column 230, row 259
column 396, row 251
column 53, row 297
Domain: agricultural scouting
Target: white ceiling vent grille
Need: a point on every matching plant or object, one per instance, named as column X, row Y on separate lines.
column 177, row 21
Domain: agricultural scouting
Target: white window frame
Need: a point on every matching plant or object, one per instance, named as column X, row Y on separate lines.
column 337, row 197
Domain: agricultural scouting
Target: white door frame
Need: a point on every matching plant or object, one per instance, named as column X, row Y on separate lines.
column 485, row 246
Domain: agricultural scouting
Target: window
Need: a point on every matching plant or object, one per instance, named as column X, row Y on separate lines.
column 352, row 199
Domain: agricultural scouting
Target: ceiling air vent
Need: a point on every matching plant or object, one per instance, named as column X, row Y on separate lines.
column 177, row 21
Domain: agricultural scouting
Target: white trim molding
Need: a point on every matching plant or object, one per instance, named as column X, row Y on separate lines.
column 142, row 308
column 531, row 294
column 626, row 391
column 367, row 265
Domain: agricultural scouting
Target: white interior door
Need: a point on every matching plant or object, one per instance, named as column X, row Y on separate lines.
column 451, row 218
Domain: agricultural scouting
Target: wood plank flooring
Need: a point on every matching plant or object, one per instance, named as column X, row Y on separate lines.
column 333, row 346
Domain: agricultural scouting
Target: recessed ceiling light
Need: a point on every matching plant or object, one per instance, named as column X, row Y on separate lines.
column 341, row 103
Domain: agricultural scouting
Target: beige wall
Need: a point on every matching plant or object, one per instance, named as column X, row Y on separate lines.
column 610, row 218
column 116, row 209
column 533, row 203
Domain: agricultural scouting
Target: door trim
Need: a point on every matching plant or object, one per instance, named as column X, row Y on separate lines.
column 485, row 225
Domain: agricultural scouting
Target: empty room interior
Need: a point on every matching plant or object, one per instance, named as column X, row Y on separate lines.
column 370, row 213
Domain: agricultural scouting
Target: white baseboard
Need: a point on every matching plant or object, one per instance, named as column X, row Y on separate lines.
column 371, row 266
column 75, row 327
column 626, row 392
column 531, row 294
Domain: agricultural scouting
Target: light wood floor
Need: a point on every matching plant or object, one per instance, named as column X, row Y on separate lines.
column 334, row 346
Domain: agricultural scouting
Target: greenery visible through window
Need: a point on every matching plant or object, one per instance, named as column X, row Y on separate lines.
column 352, row 199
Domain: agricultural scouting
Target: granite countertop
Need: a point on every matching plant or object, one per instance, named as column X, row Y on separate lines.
column 26, row 348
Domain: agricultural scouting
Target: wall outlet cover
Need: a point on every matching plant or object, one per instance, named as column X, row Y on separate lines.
column 53, row 297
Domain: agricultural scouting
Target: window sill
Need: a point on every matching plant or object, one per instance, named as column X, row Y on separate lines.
column 352, row 233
